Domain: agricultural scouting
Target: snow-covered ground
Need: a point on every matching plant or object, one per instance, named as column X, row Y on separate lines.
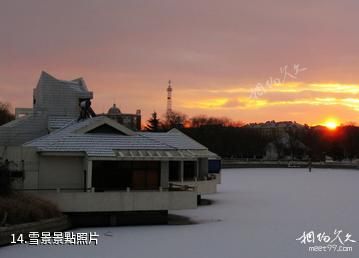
column 257, row 213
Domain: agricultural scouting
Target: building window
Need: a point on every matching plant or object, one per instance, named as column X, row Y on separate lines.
column 174, row 171
column 118, row 175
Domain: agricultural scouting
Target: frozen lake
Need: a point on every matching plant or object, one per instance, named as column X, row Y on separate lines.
column 256, row 213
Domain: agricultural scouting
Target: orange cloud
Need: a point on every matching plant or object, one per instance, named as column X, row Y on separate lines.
column 316, row 96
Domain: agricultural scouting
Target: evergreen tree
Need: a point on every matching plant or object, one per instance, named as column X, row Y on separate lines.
column 153, row 124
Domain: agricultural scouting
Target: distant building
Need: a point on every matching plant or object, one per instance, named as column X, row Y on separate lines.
column 273, row 128
column 132, row 121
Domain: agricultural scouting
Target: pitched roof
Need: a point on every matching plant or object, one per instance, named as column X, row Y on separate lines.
column 23, row 129
column 57, row 122
column 79, row 137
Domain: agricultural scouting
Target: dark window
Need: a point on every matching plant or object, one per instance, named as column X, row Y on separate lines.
column 105, row 129
column 118, row 175
column 189, row 170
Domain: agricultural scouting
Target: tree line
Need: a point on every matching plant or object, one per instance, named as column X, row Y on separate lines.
column 231, row 139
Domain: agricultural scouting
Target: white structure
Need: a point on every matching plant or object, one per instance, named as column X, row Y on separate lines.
column 97, row 164
column 55, row 102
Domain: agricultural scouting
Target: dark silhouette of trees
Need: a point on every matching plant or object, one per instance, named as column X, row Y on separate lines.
column 302, row 143
column 153, row 124
column 341, row 143
column 174, row 119
column 288, row 141
column 5, row 113
column 350, row 141
column 296, row 149
column 230, row 142
column 203, row 120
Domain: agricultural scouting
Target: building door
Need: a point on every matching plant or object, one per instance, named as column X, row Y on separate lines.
column 146, row 175
column 139, row 179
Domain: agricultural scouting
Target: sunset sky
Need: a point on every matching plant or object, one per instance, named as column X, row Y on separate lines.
column 215, row 52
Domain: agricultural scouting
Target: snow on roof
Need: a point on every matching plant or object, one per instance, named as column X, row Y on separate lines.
column 23, row 129
column 176, row 139
column 78, row 137
column 57, row 122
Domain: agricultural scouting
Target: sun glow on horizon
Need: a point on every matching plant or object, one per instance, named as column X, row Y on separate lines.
column 331, row 124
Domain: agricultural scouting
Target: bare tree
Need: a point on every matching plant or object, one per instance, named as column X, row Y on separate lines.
column 203, row 120
column 5, row 113
column 174, row 120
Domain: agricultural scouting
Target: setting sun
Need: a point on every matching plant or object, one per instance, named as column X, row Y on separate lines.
column 331, row 124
